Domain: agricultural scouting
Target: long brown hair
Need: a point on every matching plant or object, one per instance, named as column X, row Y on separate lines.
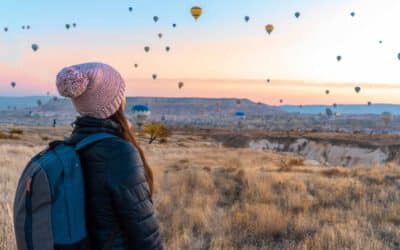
column 128, row 134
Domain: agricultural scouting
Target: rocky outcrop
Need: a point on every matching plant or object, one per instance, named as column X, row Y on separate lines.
column 326, row 153
column 319, row 151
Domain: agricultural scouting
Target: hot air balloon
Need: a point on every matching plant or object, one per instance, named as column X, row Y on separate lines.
column 67, row 26
column 339, row 58
column 130, row 9
column 154, row 76
column 28, row 27
column 327, row 91
column 5, row 29
column 136, row 65
column 246, row 18
column 13, row 84
column 398, row 56
column 147, row 49
column 160, row 35
column 369, row 103
column 240, row 115
column 167, row 48
column 74, row 25
column 155, row 19
column 35, row 47
column 23, row 27
column 174, row 25
column 334, row 105
column 196, row 12
column 268, row 80
column 380, row 41
column 357, row 89
column 297, row 14
column 269, row 28
column 140, row 114
column 281, row 100
column 180, row 85
column 352, row 14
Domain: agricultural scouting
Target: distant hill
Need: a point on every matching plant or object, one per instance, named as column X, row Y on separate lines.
column 10, row 102
column 219, row 113
column 179, row 106
column 198, row 106
column 202, row 106
column 374, row 109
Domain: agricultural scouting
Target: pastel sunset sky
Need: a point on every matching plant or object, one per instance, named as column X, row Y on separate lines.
column 220, row 55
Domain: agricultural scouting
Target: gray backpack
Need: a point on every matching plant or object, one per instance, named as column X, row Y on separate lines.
column 49, row 205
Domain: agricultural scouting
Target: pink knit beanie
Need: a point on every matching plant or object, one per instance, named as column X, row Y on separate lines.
column 96, row 89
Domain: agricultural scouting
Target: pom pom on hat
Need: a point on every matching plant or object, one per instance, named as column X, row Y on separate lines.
column 71, row 82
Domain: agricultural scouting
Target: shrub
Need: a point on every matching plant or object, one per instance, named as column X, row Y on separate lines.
column 45, row 138
column 6, row 136
column 16, row 131
column 287, row 165
column 156, row 131
column 334, row 172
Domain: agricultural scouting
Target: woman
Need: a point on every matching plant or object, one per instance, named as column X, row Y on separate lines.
column 118, row 180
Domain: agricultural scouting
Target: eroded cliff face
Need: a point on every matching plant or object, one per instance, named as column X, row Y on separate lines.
column 319, row 151
column 326, row 153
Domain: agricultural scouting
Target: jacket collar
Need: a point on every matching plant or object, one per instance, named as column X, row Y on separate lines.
column 85, row 125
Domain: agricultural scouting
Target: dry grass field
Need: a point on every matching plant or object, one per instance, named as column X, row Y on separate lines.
column 212, row 197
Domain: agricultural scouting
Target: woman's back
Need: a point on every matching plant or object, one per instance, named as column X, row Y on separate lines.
column 119, row 208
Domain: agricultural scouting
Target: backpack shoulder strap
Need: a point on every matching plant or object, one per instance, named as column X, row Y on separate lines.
column 87, row 141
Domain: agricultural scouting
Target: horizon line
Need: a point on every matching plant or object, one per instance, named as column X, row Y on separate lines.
column 212, row 98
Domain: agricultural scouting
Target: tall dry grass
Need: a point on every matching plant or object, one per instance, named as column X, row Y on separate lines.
column 12, row 160
column 211, row 197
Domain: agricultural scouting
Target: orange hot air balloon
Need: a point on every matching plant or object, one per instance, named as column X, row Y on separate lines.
column 269, row 28
column 196, row 12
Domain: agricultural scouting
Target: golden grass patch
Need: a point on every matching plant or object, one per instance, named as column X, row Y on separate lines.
column 212, row 197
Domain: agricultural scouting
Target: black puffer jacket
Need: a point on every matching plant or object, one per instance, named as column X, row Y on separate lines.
column 119, row 208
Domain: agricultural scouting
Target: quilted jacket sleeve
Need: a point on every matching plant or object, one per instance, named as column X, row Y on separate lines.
column 131, row 200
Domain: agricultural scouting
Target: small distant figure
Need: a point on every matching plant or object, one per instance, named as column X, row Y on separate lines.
column 54, row 123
